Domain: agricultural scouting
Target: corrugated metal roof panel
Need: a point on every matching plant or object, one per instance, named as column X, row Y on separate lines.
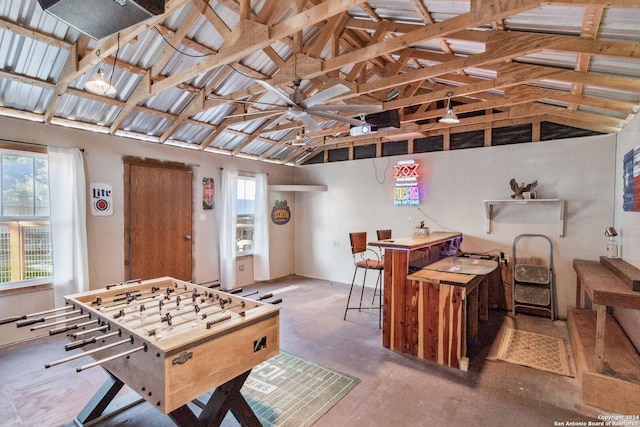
column 443, row 10
column 191, row 133
column 214, row 115
column 276, row 135
column 396, row 10
column 619, row 66
column 24, row 97
column 28, row 57
column 620, row 95
column 86, row 110
column 143, row 53
column 176, row 19
column 257, row 147
column 172, row 100
column 228, row 141
column 602, row 111
column 282, row 153
column 552, row 84
column 463, row 47
column 564, row 60
column 620, row 24
column 551, row 19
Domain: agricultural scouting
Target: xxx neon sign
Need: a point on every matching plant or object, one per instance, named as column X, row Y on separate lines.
column 407, row 190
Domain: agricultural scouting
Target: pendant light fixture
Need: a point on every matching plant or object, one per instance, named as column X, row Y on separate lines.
column 99, row 85
column 449, row 117
column 299, row 138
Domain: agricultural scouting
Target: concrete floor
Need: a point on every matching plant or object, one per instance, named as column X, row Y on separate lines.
column 395, row 389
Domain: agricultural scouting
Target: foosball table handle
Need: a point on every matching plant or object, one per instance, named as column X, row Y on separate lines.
column 12, row 319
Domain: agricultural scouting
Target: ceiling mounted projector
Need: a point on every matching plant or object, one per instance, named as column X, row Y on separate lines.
column 101, row 18
column 364, row 129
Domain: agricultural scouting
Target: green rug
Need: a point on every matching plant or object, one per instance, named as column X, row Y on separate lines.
column 287, row 390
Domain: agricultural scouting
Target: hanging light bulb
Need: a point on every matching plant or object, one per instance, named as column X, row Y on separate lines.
column 449, row 117
column 99, row 85
column 299, row 139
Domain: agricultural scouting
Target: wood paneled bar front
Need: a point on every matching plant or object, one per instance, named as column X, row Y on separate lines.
column 402, row 257
column 439, row 312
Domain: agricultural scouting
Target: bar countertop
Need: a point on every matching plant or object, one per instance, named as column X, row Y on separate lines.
column 454, row 264
column 444, row 277
column 433, row 238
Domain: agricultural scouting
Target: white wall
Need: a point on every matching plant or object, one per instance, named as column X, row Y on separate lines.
column 359, row 198
column 627, row 225
column 103, row 164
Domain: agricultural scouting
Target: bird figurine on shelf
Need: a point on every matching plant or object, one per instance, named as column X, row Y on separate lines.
column 519, row 189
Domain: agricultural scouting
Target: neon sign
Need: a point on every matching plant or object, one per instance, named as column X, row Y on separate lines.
column 407, row 191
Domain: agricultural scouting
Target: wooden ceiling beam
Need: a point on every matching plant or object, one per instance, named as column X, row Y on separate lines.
column 51, row 40
column 480, row 14
column 251, row 36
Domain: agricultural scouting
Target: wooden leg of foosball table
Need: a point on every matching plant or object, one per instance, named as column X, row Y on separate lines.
column 225, row 398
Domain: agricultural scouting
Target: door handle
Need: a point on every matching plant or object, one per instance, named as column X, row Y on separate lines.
column 187, row 237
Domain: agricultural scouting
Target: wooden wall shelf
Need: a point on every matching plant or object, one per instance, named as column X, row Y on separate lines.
column 295, row 187
column 489, row 204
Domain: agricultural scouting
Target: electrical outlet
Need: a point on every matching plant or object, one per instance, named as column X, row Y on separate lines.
column 241, row 267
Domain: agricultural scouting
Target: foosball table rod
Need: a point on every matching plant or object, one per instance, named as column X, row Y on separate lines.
column 110, row 358
column 89, row 352
column 26, row 316
column 59, row 322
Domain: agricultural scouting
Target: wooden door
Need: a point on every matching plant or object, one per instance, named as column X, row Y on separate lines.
column 158, row 220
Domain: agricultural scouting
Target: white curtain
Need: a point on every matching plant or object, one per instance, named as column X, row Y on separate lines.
column 227, row 223
column 67, row 193
column 261, row 230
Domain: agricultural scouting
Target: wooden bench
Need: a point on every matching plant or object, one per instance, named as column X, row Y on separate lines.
column 608, row 364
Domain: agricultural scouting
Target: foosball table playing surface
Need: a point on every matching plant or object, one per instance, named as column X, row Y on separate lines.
column 170, row 341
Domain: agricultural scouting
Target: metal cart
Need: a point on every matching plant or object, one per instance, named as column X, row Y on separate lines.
column 533, row 284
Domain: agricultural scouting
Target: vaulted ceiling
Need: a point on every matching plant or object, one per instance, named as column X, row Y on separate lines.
column 192, row 76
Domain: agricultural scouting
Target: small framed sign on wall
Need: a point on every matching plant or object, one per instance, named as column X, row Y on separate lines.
column 207, row 194
column 631, row 181
column 101, row 199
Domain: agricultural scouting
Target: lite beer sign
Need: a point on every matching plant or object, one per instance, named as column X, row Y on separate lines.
column 407, row 189
column 101, row 200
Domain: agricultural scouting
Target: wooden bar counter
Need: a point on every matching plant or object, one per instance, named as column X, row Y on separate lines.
column 436, row 314
column 401, row 322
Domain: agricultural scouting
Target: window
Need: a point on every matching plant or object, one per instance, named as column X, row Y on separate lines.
column 25, row 236
column 245, row 211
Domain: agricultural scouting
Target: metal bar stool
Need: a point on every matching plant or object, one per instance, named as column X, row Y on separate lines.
column 381, row 235
column 366, row 259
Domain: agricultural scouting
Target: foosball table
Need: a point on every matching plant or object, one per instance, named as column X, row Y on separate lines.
column 168, row 340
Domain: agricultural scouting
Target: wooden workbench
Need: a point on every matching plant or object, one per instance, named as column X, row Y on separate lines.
column 607, row 362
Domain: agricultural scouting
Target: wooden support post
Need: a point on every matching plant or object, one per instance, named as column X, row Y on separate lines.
column 600, row 334
column 578, row 293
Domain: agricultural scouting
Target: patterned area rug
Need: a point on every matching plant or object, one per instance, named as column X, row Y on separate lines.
column 287, row 390
column 537, row 351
